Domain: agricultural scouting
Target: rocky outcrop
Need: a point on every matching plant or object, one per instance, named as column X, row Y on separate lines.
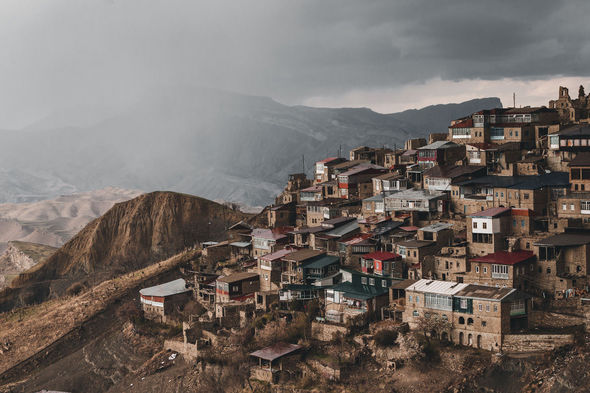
column 20, row 256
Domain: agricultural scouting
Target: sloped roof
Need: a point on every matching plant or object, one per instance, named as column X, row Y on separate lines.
column 167, row 289
column 453, row 171
column 436, row 227
column 505, row 257
column 381, row 255
column 276, row 351
column 439, row 145
column 322, row 261
column 553, row 179
column 303, row 254
column 238, row 277
column 565, row 239
column 484, row 292
column 492, row 212
column 360, row 291
column 273, row 256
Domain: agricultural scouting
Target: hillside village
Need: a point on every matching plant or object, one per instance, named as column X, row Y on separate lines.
column 479, row 237
column 466, row 248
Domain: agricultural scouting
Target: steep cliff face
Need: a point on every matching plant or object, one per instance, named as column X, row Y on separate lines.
column 131, row 235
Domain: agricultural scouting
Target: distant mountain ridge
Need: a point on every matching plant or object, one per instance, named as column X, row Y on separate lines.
column 206, row 142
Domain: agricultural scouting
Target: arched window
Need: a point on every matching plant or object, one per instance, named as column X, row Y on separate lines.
column 470, row 321
column 461, row 321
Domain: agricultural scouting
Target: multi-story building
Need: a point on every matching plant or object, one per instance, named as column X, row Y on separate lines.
column 372, row 154
column 440, row 153
column 324, row 169
column 480, row 316
column 440, row 177
column 236, row 287
column 579, row 171
column 356, row 183
column 563, row 263
column 265, row 241
column 270, row 268
column 389, row 182
column 514, row 269
column 383, row 263
column 424, row 201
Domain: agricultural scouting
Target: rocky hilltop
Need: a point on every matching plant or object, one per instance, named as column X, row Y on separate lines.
column 129, row 236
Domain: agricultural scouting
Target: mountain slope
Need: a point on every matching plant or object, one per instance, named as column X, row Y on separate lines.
column 131, row 235
column 206, row 142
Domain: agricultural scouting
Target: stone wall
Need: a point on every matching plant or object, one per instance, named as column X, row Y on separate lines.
column 330, row 372
column 325, row 331
column 535, row 342
column 554, row 320
column 187, row 350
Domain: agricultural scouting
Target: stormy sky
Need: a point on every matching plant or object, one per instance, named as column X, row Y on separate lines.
column 389, row 55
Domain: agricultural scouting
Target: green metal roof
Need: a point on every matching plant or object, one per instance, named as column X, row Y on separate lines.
column 359, row 291
column 321, row 262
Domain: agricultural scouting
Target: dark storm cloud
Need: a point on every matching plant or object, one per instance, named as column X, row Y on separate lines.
column 62, row 53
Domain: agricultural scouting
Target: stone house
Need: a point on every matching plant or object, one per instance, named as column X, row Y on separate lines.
column 480, row 316
column 563, row 263
column 382, row 263
column 514, row 269
column 440, row 153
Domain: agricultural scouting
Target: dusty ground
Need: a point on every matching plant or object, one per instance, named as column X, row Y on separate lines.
column 28, row 331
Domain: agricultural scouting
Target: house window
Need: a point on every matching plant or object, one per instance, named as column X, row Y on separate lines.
column 477, row 269
column 372, row 281
column 526, row 196
column 522, row 223
column 571, row 207
column 487, row 308
column 480, row 307
column 483, row 323
column 384, row 283
column 485, row 270
column 417, row 299
column 461, row 321
column 463, row 303
column 495, row 308
column 474, row 224
column 485, row 225
column 410, row 298
column 470, row 321
column 415, row 313
column 364, row 280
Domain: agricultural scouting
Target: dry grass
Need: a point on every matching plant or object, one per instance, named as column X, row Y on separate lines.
column 31, row 329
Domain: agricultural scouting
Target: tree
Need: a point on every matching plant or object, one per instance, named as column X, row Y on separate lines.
column 433, row 325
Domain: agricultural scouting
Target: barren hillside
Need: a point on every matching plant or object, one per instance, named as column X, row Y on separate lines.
column 130, row 236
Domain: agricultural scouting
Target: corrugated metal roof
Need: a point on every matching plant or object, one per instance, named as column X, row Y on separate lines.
column 276, row 351
column 166, row 289
column 240, row 244
column 439, row 145
column 438, row 287
column 321, row 262
column 436, row 227
column 344, row 229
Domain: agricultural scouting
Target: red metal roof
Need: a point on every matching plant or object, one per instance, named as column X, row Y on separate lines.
column 409, row 228
column 463, row 124
column 381, row 255
column 522, row 212
column 505, row 257
column 328, row 159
